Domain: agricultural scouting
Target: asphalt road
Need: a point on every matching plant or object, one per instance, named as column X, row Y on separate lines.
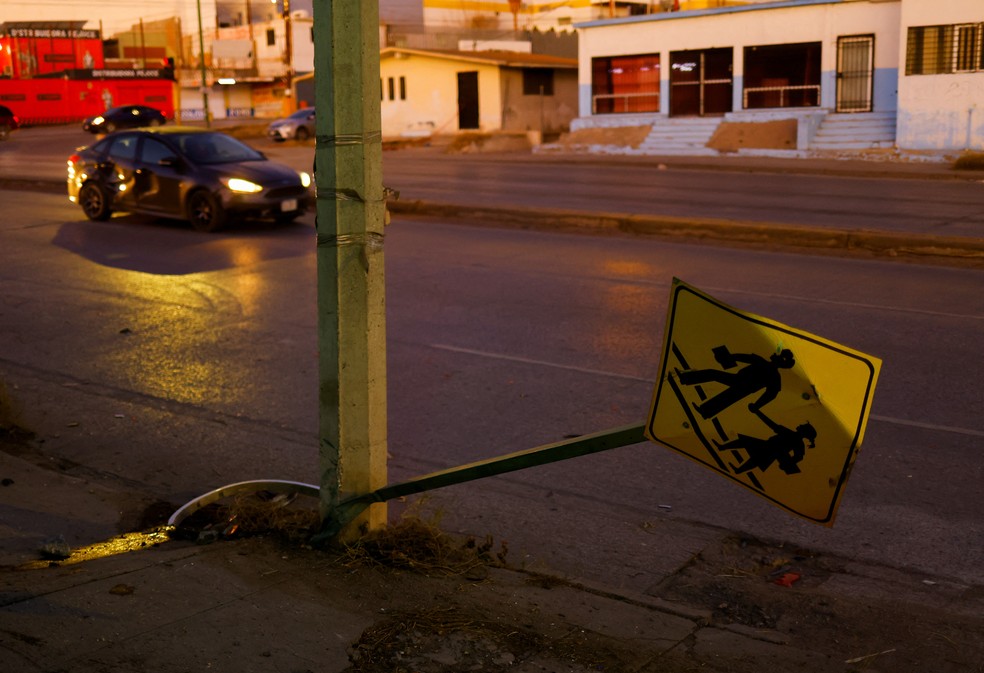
column 173, row 362
column 927, row 199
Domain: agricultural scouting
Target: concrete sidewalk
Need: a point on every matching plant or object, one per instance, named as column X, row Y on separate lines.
column 424, row 602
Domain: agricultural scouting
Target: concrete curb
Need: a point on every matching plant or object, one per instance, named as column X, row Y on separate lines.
column 841, row 241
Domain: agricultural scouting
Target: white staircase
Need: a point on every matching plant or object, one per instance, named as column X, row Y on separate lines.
column 681, row 136
column 855, row 131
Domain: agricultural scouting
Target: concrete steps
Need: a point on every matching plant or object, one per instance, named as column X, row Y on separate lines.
column 855, row 131
column 681, row 136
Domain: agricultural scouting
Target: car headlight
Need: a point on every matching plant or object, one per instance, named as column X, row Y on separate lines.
column 305, row 179
column 240, row 186
column 98, row 120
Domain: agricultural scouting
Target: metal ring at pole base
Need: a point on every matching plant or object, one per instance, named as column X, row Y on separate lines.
column 275, row 485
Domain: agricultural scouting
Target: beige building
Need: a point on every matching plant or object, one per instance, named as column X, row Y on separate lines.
column 444, row 92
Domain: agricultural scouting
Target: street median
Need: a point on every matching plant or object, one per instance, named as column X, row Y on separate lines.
column 737, row 232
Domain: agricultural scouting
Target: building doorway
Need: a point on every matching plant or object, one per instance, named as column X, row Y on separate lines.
column 855, row 73
column 700, row 82
column 468, row 100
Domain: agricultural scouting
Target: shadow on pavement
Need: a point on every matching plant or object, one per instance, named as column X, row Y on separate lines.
column 170, row 247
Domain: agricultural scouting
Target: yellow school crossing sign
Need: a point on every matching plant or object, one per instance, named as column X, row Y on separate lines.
column 778, row 410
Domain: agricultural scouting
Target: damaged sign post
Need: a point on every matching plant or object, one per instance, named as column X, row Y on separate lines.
column 775, row 409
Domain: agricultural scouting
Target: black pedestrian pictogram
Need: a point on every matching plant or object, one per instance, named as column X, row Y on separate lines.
column 758, row 374
column 785, row 448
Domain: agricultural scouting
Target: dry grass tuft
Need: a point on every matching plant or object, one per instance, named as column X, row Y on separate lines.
column 420, row 546
column 970, row 161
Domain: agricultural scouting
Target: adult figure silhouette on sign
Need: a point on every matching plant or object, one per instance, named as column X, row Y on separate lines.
column 784, row 448
column 758, row 374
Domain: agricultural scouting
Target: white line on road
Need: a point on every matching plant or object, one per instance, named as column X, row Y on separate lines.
column 928, row 426
column 542, row 363
column 599, row 372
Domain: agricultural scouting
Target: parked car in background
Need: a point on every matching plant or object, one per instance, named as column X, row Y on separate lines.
column 298, row 126
column 8, row 122
column 124, row 117
column 204, row 176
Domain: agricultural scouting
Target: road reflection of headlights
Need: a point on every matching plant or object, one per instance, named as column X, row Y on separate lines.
column 241, row 186
column 305, row 179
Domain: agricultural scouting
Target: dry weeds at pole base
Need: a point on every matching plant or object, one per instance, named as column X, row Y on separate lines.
column 420, row 546
column 411, row 543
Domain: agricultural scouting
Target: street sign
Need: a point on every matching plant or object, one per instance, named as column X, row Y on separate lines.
column 776, row 409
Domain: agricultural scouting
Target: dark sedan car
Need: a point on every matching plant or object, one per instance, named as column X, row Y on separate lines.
column 8, row 121
column 124, row 117
column 204, row 176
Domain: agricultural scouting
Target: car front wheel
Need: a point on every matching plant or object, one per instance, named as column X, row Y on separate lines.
column 94, row 202
column 205, row 212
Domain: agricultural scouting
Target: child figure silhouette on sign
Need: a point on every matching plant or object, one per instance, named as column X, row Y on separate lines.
column 758, row 374
column 785, row 447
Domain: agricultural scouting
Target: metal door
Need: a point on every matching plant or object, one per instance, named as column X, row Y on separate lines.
column 700, row 82
column 855, row 73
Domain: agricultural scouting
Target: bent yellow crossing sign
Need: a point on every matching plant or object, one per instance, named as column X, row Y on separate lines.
column 775, row 409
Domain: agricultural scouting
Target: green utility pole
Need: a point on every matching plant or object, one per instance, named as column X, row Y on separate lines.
column 351, row 212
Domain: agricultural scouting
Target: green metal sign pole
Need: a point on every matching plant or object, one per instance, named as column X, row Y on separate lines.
column 352, row 507
column 350, row 217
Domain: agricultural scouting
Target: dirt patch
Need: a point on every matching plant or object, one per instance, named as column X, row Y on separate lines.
column 471, row 143
column 800, row 595
column 618, row 136
column 773, row 135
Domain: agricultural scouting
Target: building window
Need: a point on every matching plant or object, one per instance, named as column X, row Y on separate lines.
column 782, row 75
column 271, row 37
column 967, row 48
column 538, row 82
column 403, row 88
column 392, row 88
column 621, row 84
column 941, row 50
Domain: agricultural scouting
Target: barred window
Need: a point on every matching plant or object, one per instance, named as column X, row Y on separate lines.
column 936, row 50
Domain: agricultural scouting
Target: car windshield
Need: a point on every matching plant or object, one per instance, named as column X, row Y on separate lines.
column 215, row 148
column 301, row 114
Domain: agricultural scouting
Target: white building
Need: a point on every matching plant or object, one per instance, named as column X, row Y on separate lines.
column 824, row 74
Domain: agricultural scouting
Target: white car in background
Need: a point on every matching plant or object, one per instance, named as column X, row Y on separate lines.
column 298, row 126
